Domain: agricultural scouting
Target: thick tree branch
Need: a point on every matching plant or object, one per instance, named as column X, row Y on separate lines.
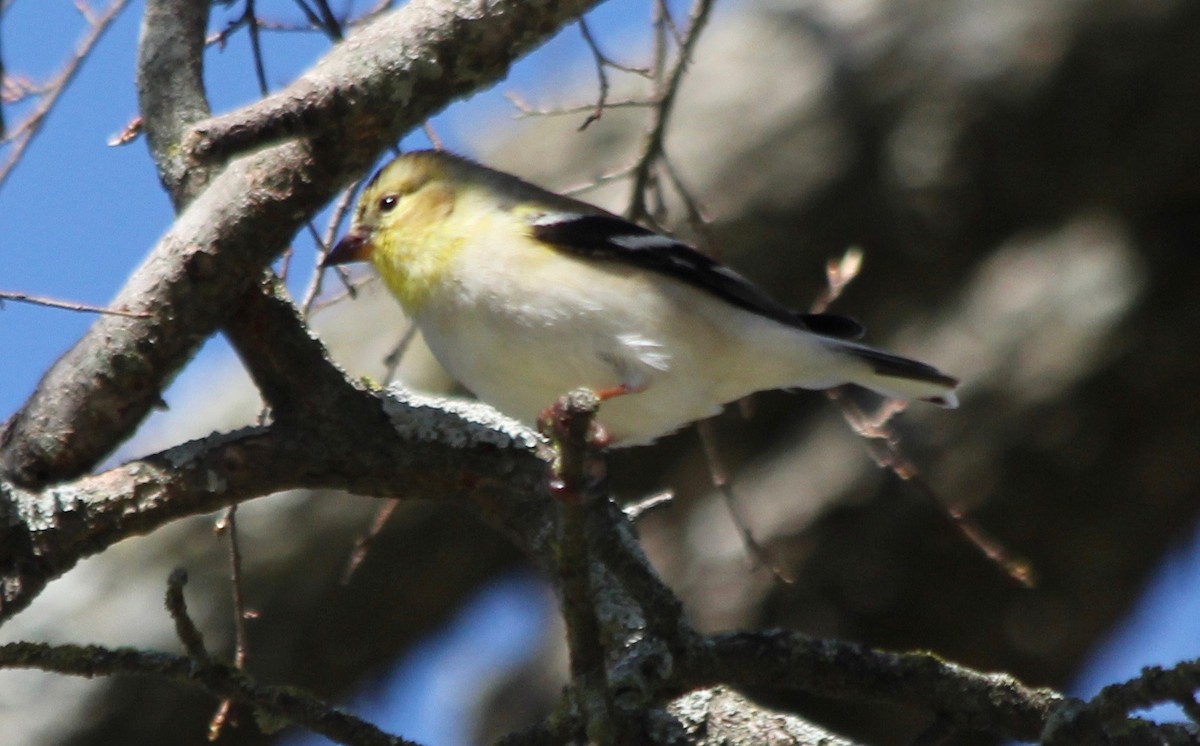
column 392, row 75
column 995, row 703
column 170, row 84
column 424, row 448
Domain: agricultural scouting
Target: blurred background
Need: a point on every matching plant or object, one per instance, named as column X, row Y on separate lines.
column 1023, row 179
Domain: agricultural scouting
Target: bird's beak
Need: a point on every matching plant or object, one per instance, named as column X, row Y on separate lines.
column 354, row 247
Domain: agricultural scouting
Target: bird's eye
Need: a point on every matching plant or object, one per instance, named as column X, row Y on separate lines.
column 387, row 202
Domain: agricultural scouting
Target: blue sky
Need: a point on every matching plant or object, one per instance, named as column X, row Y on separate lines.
column 77, row 216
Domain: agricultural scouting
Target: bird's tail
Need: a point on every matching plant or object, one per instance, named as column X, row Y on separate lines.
column 900, row 377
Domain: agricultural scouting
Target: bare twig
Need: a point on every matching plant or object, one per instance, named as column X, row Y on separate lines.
column 884, row 442
column 228, row 526
column 128, row 133
column 3, row 79
column 634, row 511
column 321, row 18
column 838, row 274
column 352, row 285
column 185, row 628
column 575, row 480
column 392, row 360
column 22, row 133
column 599, row 181
column 362, row 544
column 260, row 69
column 340, row 210
column 525, row 109
column 720, row 480
column 600, row 60
column 285, row 703
column 696, row 216
column 431, row 134
column 39, row 300
column 652, row 146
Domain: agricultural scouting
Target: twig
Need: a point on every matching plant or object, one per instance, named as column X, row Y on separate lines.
column 260, row 69
column 524, row 109
column 392, row 360
column 599, row 181
column 185, row 628
column 362, row 544
column 340, row 211
column 3, row 78
column 884, row 442
column 884, row 447
column 1108, row 712
column 634, row 511
column 286, row 703
column 838, row 274
column 697, row 218
column 720, row 480
column 228, row 526
column 329, row 22
column 652, row 146
column 434, row 140
column 600, row 60
column 23, row 133
column 39, row 300
column 352, row 286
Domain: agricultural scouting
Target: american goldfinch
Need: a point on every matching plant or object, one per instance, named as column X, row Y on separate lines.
column 524, row 295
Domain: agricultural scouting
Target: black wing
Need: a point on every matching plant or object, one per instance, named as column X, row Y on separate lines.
column 603, row 236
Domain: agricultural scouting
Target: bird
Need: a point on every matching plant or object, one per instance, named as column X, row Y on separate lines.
column 523, row 295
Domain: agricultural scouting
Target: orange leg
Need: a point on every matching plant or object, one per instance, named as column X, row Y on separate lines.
column 612, row 392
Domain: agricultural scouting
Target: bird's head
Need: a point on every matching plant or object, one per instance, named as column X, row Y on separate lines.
column 400, row 223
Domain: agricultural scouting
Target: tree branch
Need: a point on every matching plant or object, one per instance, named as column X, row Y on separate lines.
column 220, row 680
column 995, row 703
column 170, row 85
column 392, row 73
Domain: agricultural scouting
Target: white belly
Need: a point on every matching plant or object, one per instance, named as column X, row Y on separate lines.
column 667, row 341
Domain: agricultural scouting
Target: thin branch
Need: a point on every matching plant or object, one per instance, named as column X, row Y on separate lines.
column 599, row 181
column 3, row 81
column 600, row 61
column 341, row 210
column 284, row 703
column 364, row 542
column 39, row 300
column 525, row 110
column 260, row 69
column 186, row 629
column 1108, row 711
column 392, row 360
column 329, row 22
column 638, row 509
column 435, row 141
column 696, row 214
column 24, row 132
column 720, row 481
column 652, row 145
column 885, row 449
column 228, row 526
